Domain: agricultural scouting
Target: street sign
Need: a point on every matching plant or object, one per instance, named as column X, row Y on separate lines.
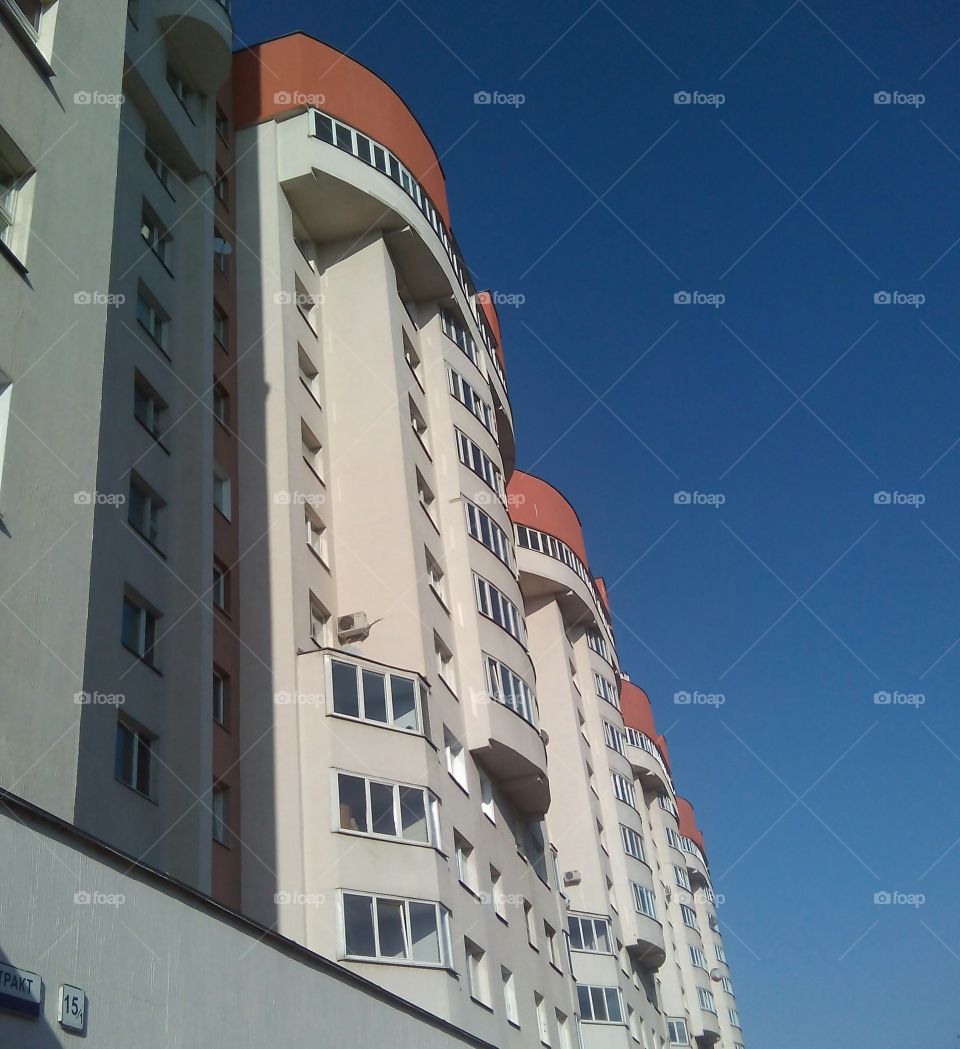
column 20, row 991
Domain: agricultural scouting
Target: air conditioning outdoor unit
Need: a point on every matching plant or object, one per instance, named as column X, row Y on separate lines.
column 353, row 627
column 572, row 877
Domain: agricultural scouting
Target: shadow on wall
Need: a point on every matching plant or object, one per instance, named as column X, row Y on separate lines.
column 23, row 1032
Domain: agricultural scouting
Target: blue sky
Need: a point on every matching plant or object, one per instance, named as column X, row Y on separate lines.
column 797, row 199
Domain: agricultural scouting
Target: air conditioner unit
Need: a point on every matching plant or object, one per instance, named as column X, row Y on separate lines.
column 572, row 877
column 668, row 892
column 353, row 627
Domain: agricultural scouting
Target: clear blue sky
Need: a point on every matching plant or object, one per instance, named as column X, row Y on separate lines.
column 800, row 597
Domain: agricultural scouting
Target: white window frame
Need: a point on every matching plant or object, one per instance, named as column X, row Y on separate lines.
column 600, row 930
column 494, row 605
column 697, row 958
column 624, row 789
column 431, row 809
column 509, row 996
column 644, row 900
column 220, row 812
column 606, row 995
column 482, row 527
column 442, row 925
column 689, row 916
column 632, row 843
column 143, row 750
column 222, row 492
column 456, row 759
column 614, row 738
column 147, row 628
column 705, row 998
column 475, row 459
column 515, row 694
column 677, row 1030
column 388, row 676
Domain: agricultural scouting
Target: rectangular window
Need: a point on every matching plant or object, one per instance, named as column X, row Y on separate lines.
column 181, row 89
column 221, row 186
column 666, row 803
column 149, row 409
column 644, row 901
column 309, row 375
column 697, row 957
column 156, row 237
column 133, row 758
column 220, row 588
column 221, row 813
column 677, row 1027
column 151, row 318
column 673, row 838
column 418, row 423
column 705, row 998
column 462, row 391
column 435, row 576
column 734, row 1017
column 543, row 1025
column 459, row 335
column 221, row 405
column 719, row 952
column 632, row 843
column 497, row 893
column 158, row 167
column 496, row 606
column 390, row 810
column 509, row 996
column 478, row 986
column 220, row 325
column 220, row 698
column 395, row 930
column 614, row 738
column 222, row 124
column 507, row 687
column 689, row 916
column 530, row 923
column 565, row 1027
column 474, row 458
column 681, row 877
column 591, row 935
column 370, row 695
column 319, row 623
column 487, row 805
column 466, row 862
column 139, row 629
column 426, row 498
column 456, row 757
column 482, row 527
column 606, row 690
column 596, row 642
column 29, row 14
column 222, row 492
column 726, row 983
column 312, row 449
column 144, row 509
column 600, row 1004
column 316, row 533
column 623, row 789
column 550, row 938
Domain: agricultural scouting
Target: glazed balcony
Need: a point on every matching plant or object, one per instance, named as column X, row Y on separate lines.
column 646, row 761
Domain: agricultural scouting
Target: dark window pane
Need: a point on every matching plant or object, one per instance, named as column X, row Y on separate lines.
column 123, row 761
column 324, row 128
column 390, row 928
column 380, row 158
column 598, row 1003
column 345, row 698
column 613, row 1005
column 363, row 148
column 131, row 625
column 583, row 994
column 402, row 689
column 344, row 138
column 353, row 803
column 143, row 765
column 358, row 925
column 381, row 809
column 374, row 696
column 395, row 170
column 413, row 814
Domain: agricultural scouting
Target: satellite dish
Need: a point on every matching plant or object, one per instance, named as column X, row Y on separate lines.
column 716, row 975
column 222, row 247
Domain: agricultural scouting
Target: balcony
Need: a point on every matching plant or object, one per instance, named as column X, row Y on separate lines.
column 646, row 761
column 647, row 945
column 199, row 39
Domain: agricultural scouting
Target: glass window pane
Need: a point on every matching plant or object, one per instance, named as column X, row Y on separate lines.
column 345, row 698
column 344, row 138
column 123, row 764
column 598, row 1003
column 413, row 814
column 583, row 994
column 374, row 696
column 324, row 128
column 381, row 809
column 613, row 1005
column 403, row 692
column 603, row 940
column 358, row 925
column 587, row 931
column 353, row 803
column 131, row 625
column 363, row 147
column 423, row 932
column 143, row 766
column 390, row 928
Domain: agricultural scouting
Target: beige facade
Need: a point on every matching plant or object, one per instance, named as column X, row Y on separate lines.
column 340, row 665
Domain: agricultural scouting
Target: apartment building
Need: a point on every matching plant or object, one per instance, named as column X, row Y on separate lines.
column 281, row 617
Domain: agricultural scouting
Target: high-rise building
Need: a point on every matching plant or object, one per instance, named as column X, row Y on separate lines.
column 281, row 618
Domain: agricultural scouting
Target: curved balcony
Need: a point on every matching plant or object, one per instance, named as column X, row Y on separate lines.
column 647, row 945
column 709, row 1029
column 645, row 760
column 199, row 40
column 513, row 751
column 692, row 840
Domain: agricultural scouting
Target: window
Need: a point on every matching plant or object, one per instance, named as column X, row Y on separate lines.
column 309, row 375
column 681, row 877
column 632, row 843
column 220, row 325
column 458, row 334
column 726, row 983
column 543, row 1025
column 316, row 533
column 705, row 998
column 29, row 13
column 550, row 938
column 312, row 450
column 395, row 930
column 466, row 864
column 319, row 623
column 719, row 952
column 387, row 699
column 390, row 810
column 181, row 89
column 697, row 957
column 497, row 894
column 482, row 527
column 221, row 185
column 478, row 985
column 435, row 576
column 144, row 509
column 157, row 238
column 614, row 738
column 219, row 698
column 471, row 400
column 496, row 606
column 666, row 803
column 564, row 1027
column 530, row 845
column 509, row 996
column 487, row 806
column 475, row 459
column 677, row 1027
column 149, row 409
column 222, row 492
column 623, row 789
column 139, row 629
column 306, row 304
column 530, row 924
column 508, row 688
column 596, row 642
column 600, row 1004
column 605, row 690
column 456, row 757
column 133, row 758
column 220, row 586
column 689, row 916
column 589, row 934
column 221, row 405
column 151, row 318
column 221, row 811
column 426, row 498
column 644, row 901
column 734, row 1017
column 158, row 167
column 418, row 423
column 222, row 124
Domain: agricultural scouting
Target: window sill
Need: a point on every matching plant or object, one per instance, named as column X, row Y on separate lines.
column 320, row 559
column 466, row 792
column 8, row 253
column 313, row 396
column 403, row 963
column 418, row 733
column 219, row 341
column 223, row 612
column 224, row 515
column 429, row 517
column 481, row 1003
column 503, row 918
column 139, row 793
column 314, row 472
column 471, row 890
column 154, row 340
column 222, row 844
column 514, row 1024
column 156, row 439
column 27, row 42
column 143, row 662
column 153, row 546
column 389, row 838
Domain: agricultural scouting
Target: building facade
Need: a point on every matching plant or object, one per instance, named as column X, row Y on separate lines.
column 309, row 642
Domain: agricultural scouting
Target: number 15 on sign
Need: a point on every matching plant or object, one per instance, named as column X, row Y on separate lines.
column 73, row 1008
